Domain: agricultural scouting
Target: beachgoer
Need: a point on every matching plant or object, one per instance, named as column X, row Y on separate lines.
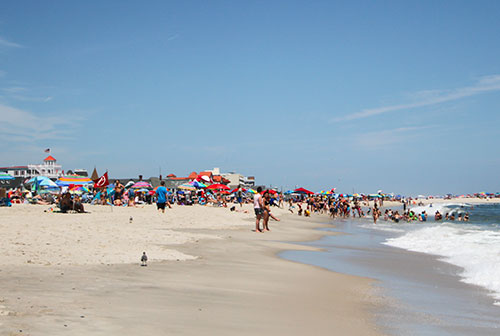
column 239, row 196
column 267, row 211
column 144, row 259
column 375, row 213
column 258, row 207
column 117, row 200
column 161, row 197
column 423, row 216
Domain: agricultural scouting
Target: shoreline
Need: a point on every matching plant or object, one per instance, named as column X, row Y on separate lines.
column 423, row 293
column 237, row 285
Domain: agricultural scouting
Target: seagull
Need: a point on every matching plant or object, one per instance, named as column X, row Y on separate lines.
column 130, row 220
column 144, row 259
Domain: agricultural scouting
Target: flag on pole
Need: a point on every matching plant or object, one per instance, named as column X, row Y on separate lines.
column 102, row 181
column 47, row 150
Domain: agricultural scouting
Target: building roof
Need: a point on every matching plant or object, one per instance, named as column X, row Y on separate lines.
column 178, row 178
column 14, row 168
column 193, row 175
column 171, row 175
column 49, row 158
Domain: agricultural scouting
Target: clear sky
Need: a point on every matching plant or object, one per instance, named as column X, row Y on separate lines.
column 402, row 96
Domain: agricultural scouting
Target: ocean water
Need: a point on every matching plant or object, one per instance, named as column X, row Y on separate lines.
column 441, row 278
column 473, row 246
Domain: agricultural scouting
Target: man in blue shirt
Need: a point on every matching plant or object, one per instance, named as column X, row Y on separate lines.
column 161, row 197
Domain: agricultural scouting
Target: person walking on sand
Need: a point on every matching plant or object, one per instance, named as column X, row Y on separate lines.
column 161, row 197
column 239, row 196
column 258, row 207
column 267, row 211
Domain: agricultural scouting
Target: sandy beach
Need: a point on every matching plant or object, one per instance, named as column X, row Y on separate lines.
column 209, row 273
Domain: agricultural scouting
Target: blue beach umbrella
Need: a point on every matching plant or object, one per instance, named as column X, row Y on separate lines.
column 43, row 181
column 6, row 177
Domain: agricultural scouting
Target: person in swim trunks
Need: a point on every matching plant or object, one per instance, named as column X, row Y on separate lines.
column 258, row 207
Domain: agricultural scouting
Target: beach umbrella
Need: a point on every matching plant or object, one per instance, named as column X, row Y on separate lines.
column 303, row 191
column 197, row 184
column 141, row 185
column 288, row 192
column 65, row 181
column 219, row 186
column 129, row 184
column 186, row 186
column 43, row 181
column 6, row 177
column 81, row 189
column 250, row 190
column 236, row 189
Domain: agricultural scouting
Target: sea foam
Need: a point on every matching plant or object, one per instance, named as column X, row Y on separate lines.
column 470, row 247
column 443, row 208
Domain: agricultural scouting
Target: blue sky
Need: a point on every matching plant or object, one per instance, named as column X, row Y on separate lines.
column 359, row 95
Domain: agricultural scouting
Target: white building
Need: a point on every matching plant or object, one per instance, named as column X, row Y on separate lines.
column 48, row 168
column 236, row 180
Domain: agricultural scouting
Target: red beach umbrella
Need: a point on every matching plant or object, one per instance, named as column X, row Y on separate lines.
column 236, row 189
column 218, row 186
column 303, row 191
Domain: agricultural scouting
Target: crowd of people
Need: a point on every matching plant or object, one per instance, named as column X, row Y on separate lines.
column 263, row 201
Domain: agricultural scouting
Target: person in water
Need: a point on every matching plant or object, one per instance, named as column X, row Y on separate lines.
column 375, row 213
column 423, row 216
column 438, row 216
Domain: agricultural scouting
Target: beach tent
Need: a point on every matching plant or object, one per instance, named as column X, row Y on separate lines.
column 303, row 191
column 65, row 181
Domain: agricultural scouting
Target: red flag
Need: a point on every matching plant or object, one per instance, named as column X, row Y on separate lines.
column 102, row 181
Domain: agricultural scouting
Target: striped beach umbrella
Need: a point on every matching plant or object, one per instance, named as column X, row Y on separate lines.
column 4, row 176
column 186, row 186
column 141, row 185
column 73, row 179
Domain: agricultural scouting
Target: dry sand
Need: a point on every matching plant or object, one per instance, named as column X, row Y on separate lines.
column 79, row 274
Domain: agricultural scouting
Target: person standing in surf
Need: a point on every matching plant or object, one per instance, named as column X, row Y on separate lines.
column 375, row 213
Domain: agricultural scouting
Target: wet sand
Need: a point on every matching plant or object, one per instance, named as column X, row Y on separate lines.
column 422, row 295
